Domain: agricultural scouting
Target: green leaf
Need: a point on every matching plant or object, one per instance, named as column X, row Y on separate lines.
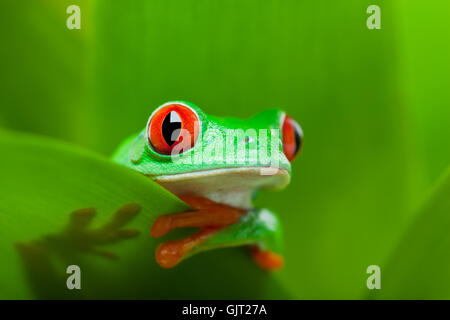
column 43, row 77
column 44, row 181
column 420, row 266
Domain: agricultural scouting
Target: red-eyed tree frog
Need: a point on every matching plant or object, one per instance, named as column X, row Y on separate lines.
column 215, row 165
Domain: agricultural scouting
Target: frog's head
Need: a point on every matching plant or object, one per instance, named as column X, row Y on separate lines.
column 223, row 159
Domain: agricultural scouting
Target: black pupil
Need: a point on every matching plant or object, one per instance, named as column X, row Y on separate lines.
column 171, row 127
column 298, row 139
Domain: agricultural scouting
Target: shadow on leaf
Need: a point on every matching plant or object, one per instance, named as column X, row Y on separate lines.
column 40, row 256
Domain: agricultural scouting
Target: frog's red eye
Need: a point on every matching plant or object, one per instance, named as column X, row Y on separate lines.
column 292, row 138
column 173, row 126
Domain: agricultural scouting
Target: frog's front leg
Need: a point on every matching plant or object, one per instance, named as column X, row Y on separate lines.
column 220, row 226
column 207, row 214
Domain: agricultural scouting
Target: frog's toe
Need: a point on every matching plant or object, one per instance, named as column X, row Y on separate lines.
column 170, row 253
column 267, row 260
column 80, row 219
column 161, row 226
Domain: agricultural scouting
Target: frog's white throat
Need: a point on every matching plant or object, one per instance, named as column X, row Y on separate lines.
column 231, row 186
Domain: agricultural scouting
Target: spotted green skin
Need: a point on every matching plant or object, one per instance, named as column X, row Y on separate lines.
column 259, row 227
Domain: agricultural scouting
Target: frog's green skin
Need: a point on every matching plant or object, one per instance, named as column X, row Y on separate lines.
column 233, row 184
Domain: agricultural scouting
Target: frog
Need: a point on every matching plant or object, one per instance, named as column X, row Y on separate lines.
column 215, row 165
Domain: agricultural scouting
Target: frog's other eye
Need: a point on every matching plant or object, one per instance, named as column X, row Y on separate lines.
column 292, row 138
column 172, row 126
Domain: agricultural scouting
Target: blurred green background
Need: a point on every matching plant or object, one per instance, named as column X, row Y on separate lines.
column 374, row 104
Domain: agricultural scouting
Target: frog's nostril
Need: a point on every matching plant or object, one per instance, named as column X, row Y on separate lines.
column 292, row 138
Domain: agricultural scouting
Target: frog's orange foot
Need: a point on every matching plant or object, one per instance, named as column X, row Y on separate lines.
column 170, row 253
column 209, row 216
column 266, row 259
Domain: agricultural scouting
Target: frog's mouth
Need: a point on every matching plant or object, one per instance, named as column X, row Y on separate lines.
column 231, row 186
